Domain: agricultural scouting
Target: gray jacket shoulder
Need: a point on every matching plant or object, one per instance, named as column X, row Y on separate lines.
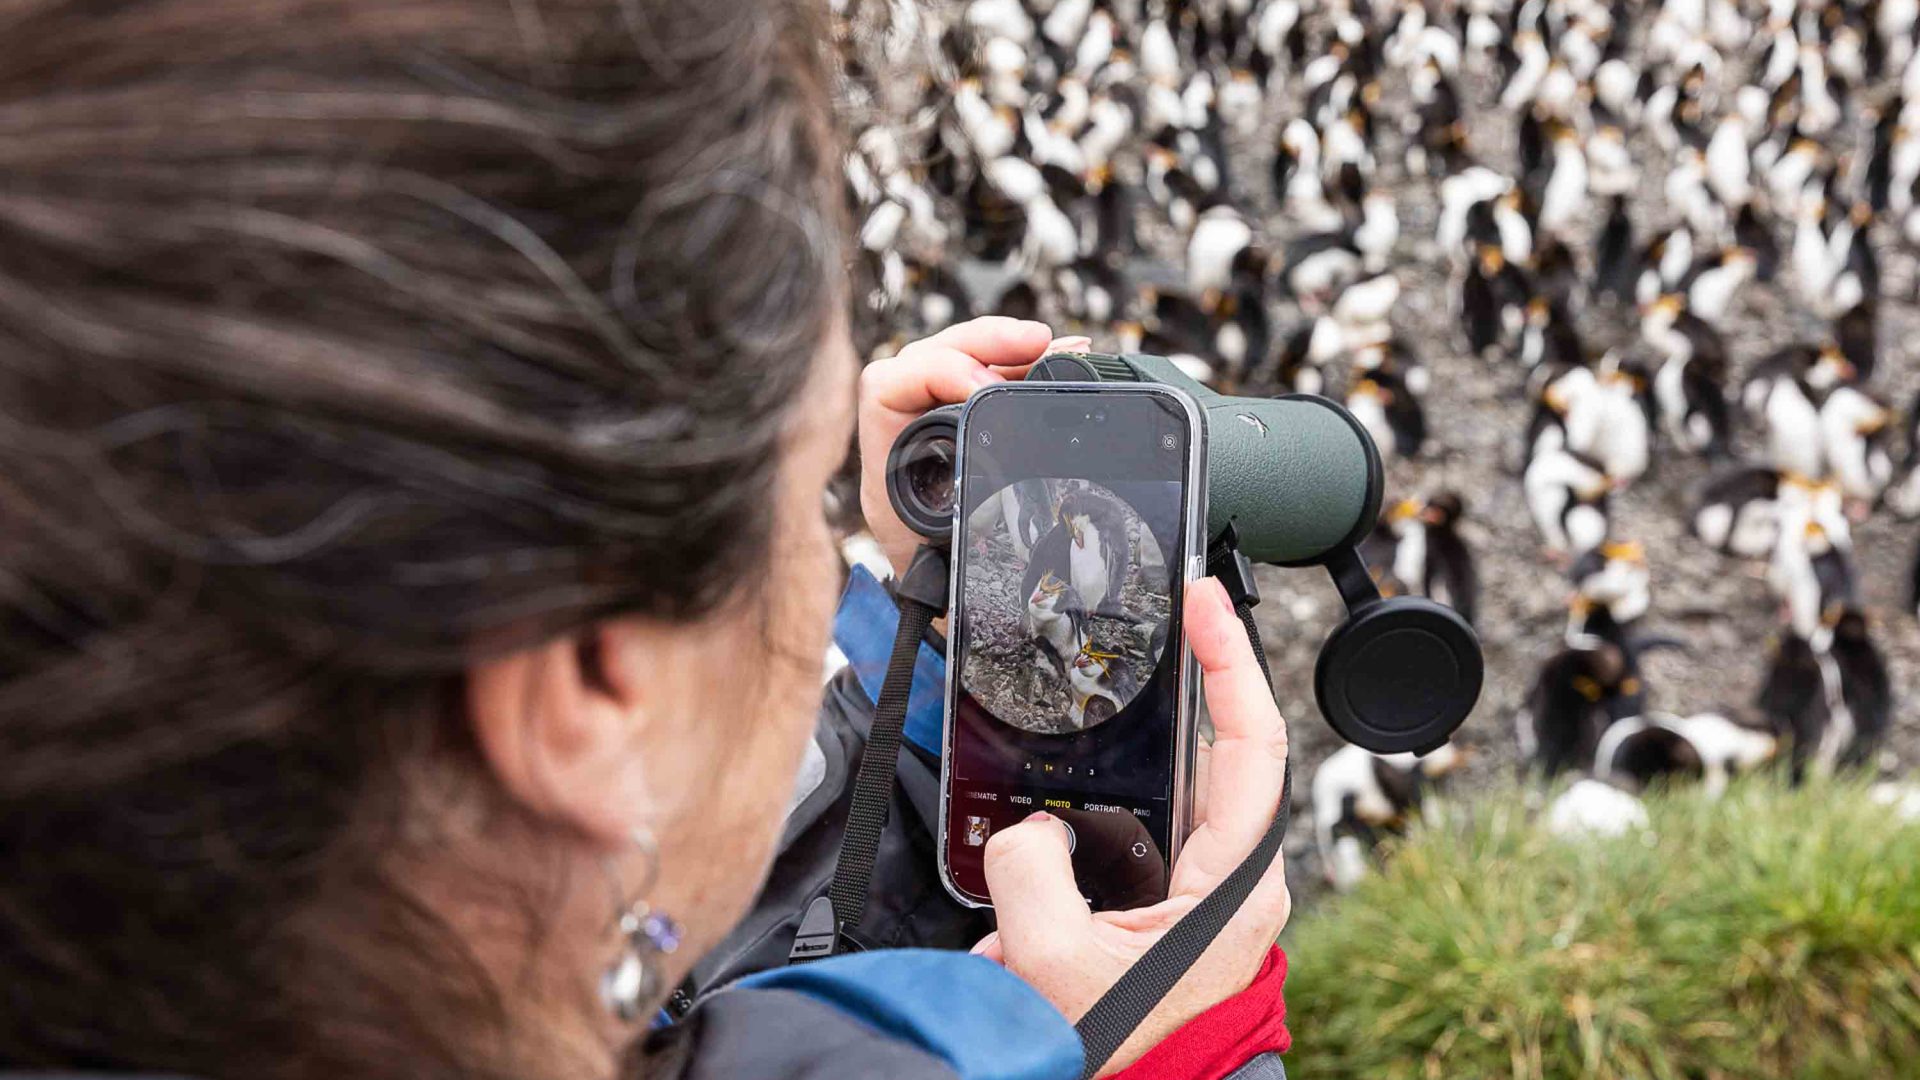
column 783, row 1035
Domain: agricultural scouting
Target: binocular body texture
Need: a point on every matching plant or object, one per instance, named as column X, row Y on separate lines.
column 1297, row 477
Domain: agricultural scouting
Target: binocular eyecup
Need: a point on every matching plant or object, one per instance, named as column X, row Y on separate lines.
column 1293, row 481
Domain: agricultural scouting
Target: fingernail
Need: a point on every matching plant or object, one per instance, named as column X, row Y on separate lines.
column 985, row 377
column 1071, row 344
column 1039, row 815
column 980, row 946
column 1035, row 324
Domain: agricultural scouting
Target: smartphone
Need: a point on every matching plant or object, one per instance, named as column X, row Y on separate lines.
column 1069, row 685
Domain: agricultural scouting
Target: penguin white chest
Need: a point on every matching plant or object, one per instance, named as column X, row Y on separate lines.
column 1087, row 563
column 1410, row 557
column 1793, row 430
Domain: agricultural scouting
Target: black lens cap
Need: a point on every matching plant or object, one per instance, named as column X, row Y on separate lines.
column 1062, row 367
column 1399, row 674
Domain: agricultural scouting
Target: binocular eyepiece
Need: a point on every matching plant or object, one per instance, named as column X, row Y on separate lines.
column 921, row 481
column 1293, row 481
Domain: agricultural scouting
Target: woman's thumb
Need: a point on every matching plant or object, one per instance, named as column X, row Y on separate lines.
column 1030, row 878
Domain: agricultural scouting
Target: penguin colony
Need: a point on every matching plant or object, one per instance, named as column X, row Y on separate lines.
column 1637, row 277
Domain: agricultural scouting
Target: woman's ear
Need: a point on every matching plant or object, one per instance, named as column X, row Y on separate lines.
column 561, row 723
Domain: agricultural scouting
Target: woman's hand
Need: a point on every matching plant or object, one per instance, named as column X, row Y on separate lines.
column 940, row 370
column 1047, row 935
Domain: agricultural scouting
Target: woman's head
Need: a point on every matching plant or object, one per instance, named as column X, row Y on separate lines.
column 413, row 416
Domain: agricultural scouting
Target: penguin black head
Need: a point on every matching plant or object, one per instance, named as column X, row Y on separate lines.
column 1658, row 753
column 1850, row 627
column 1444, row 510
column 1601, row 671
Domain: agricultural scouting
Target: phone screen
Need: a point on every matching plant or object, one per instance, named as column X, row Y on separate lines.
column 1066, row 649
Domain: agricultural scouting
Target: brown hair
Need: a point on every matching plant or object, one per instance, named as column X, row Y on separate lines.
column 333, row 334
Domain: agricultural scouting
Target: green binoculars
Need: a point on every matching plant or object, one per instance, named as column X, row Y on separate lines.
column 1291, row 481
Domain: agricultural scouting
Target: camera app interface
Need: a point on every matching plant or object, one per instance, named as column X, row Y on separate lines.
column 1067, row 640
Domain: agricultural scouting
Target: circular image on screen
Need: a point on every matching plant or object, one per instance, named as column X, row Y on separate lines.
column 1067, row 605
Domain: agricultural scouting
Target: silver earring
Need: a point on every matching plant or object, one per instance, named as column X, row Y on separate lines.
column 637, row 976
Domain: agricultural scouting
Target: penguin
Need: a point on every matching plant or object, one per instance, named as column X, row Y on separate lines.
column 1616, row 262
column 1563, row 198
column 1714, row 282
column 1297, row 178
column 1056, row 619
column 1172, row 188
column 1556, row 273
column 1567, row 494
column 1090, row 291
column 1784, row 392
column 1566, row 713
column 1390, row 411
column 1221, row 241
column 1295, row 367
column 1639, row 752
column 1479, row 307
column 1317, row 268
column 1729, row 163
column 1832, row 708
column 1417, row 548
column 943, row 300
column 1469, row 194
column 1099, row 555
column 1376, row 350
column 1612, row 172
column 1690, row 386
column 1380, row 551
column 1550, row 337
column 1853, row 433
column 1857, row 267
column 1359, row 798
column 1812, row 572
column 1101, row 687
column 1859, row 692
column 1737, row 511
column 1023, row 510
column 1662, row 263
column 1229, row 329
column 1611, row 592
column 1048, row 555
column 1727, row 749
column 1377, row 231
column 1610, row 424
column 1793, row 698
column 1707, row 747
column 1856, row 336
column 1366, row 303
column 1493, row 298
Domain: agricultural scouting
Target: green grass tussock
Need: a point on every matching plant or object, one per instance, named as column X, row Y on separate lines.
column 1774, row 933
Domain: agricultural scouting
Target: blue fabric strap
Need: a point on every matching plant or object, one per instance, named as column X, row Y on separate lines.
column 863, row 628
column 969, row 1012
